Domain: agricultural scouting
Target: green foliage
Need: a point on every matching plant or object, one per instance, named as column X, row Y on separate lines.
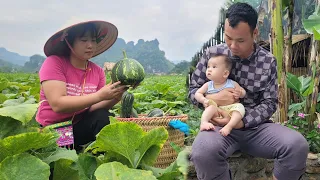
column 299, row 123
column 181, row 68
column 26, row 112
column 127, row 143
column 312, row 25
column 303, row 87
column 118, row 171
column 23, row 166
column 164, row 92
column 21, row 135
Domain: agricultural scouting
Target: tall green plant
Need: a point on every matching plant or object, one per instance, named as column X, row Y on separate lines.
column 277, row 50
column 312, row 26
column 298, row 120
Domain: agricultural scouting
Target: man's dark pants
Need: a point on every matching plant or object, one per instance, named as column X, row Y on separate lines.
column 287, row 147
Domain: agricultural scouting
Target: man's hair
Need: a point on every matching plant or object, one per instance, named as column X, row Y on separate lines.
column 227, row 60
column 242, row 12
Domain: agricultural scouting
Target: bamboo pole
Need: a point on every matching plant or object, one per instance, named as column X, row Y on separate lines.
column 277, row 50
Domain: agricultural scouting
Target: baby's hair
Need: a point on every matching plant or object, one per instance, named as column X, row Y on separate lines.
column 227, row 60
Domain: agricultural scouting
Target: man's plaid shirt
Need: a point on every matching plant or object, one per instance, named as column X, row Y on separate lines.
column 256, row 74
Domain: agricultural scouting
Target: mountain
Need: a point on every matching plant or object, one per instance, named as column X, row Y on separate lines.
column 8, row 67
column 177, row 61
column 146, row 52
column 12, row 57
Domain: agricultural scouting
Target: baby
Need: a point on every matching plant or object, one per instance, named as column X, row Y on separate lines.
column 218, row 70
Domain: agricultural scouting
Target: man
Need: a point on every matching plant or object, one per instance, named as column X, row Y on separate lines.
column 254, row 69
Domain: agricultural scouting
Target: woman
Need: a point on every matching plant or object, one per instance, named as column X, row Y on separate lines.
column 74, row 88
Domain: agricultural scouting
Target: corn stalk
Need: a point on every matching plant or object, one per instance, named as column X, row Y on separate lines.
column 277, row 50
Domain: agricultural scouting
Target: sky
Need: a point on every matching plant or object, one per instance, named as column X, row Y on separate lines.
column 181, row 26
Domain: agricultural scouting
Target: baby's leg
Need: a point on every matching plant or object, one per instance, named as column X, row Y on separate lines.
column 235, row 119
column 207, row 114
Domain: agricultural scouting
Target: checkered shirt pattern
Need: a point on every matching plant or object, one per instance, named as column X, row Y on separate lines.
column 256, row 74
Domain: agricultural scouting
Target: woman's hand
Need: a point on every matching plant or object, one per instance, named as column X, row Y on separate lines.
column 112, row 91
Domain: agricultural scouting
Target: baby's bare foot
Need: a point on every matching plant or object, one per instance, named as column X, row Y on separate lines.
column 206, row 126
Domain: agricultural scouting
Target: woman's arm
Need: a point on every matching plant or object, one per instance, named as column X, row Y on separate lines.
column 60, row 102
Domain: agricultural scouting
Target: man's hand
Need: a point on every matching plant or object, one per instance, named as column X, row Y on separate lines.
column 237, row 93
column 224, row 97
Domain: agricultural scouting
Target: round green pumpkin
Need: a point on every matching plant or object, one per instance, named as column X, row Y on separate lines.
column 128, row 71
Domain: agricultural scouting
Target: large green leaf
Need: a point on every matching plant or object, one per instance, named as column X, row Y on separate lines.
column 63, row 170
column 168, row 173
column 293, row 108
column 183, row 161
column 3, row 98
column 59, row 153
column 158, row 103
column 122, row 138
column 22, row 112
column 153, row 142
column 3, row 83
column 26, row 141
column 285, row 4
column 118, row 171
column 23, row 167
column 293, row 82
column 10, row 127
column 312, row 25
column 129, row 141
column 303, row 86
column 306, row 85
column 86, row 166
column 178, row 168
column 13, row 102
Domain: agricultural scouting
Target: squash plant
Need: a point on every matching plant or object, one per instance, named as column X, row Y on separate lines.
column 30, row 153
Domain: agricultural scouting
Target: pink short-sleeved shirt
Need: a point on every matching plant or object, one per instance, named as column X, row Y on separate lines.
column 60, row 68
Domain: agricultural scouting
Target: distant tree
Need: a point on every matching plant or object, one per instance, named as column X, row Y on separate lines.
column 181, row 67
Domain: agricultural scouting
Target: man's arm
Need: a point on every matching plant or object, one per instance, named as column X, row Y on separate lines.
column 268, row 104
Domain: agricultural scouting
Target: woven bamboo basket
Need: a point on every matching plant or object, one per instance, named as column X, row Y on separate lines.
column 167, row 154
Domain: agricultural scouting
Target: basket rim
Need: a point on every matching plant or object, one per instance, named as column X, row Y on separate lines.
column 144, row 116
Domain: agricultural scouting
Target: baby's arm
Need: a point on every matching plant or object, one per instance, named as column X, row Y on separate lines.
column 199, row 95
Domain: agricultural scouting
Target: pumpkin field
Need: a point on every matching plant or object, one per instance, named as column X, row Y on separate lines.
column 23, row 142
